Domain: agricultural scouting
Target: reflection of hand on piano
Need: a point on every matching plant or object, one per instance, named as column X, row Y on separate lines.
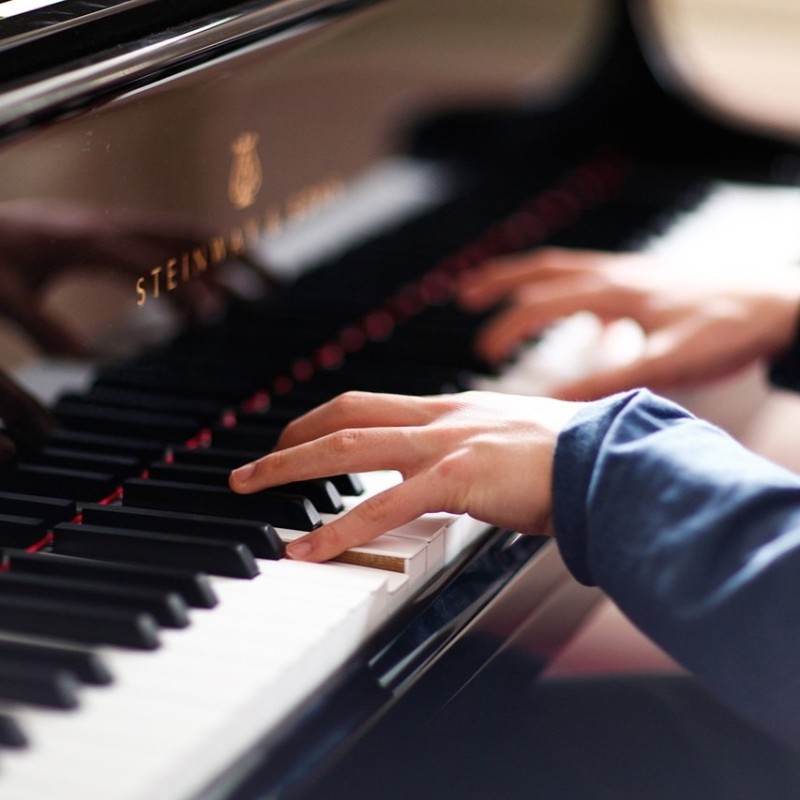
column 41, row 240
column 477, row 453
column 697, row 325
column 24, row 420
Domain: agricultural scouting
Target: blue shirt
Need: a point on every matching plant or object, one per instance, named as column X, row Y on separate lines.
column 696, row 539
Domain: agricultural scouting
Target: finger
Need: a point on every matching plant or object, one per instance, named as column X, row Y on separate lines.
column 496, row 279
column 377, row 515
column 535, row 310
column 491, row 282
column 666, row 361
column 347, row 450
column 358, row 410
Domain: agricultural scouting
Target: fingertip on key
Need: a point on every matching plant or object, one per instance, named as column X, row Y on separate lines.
column 299, row 550
column 242, row 474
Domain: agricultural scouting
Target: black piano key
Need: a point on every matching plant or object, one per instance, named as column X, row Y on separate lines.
column 11, row 734
column 61, row 482
column 143, row 449
column 245, row 436
column 169, row 609
column 85, row 665
column 167, row 380
column 50, row 509
column 231, row 559
column 322, row 493
column 36, row 685
column 78, row 622
column 114, row 420
column 194, row 587
column 347, row 485
column 21, row 532
column 263, row 425
column 119, row 466
column 282, row 511
column 227, row 457
column 147, row 401
column 279, row 416
column 261, row 538
column 188, row 473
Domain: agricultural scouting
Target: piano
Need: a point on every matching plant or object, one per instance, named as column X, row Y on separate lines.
column 215, row 216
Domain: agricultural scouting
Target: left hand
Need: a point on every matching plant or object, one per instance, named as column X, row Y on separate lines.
column 698, row 325
column 487, row 455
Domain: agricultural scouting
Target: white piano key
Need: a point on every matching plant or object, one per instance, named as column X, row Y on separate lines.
column 385, row 552
column 431, row 531
column 258, row 655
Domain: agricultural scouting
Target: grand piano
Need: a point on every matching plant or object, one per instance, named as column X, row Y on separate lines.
column 215, row 216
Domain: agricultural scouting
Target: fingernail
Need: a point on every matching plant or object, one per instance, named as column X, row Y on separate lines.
column 243, row 473
column 299, row 550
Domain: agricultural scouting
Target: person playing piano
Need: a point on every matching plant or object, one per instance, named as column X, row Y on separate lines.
column 693, row 536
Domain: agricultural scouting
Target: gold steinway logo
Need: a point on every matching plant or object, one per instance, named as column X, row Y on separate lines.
column 245, row 178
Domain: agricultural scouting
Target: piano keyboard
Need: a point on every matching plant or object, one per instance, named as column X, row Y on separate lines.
column 196, row 666
column 239, row 656
column 734, row 226
column 175, row 719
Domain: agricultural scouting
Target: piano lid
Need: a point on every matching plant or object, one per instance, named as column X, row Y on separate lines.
column 46, row 40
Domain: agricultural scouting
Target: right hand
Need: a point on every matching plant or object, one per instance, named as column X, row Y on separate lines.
column 484, row 454
column 697, row 326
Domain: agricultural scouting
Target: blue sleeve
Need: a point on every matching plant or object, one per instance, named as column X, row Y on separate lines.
column 698, row 542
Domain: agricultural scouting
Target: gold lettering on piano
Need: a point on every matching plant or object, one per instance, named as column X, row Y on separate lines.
column 199, row 260
column 172, row 274
column 275, row 218
column 156, row 274
column 217, row 250
column 244, row 182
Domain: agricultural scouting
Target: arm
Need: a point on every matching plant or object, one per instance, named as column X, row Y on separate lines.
column 696, row 539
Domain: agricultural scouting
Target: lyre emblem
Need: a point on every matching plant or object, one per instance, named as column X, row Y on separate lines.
column 245, row 178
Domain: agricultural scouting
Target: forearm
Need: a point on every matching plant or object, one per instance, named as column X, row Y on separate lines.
column 696, row 539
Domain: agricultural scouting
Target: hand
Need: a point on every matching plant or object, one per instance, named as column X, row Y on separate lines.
column 42, row 239
column 697, row 326
column 487, row 455
column 25, row 422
